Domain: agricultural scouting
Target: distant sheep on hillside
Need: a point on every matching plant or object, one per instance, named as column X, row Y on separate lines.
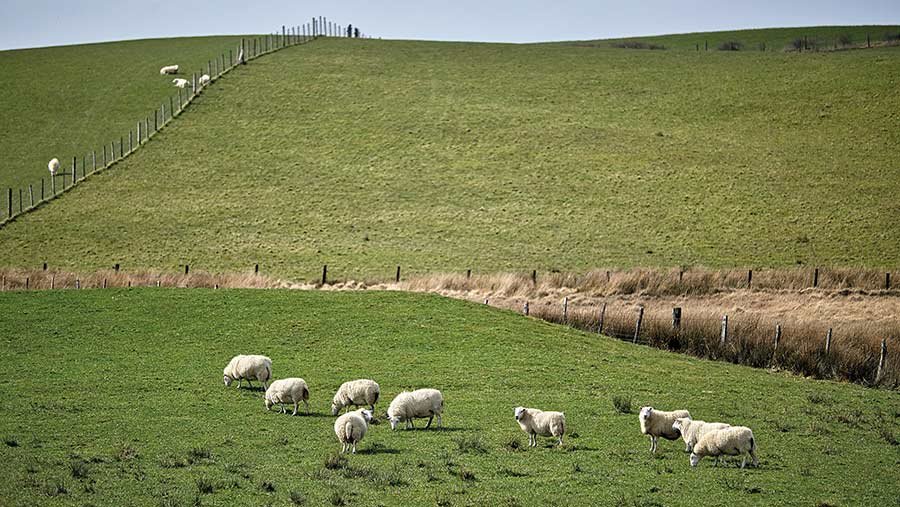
column 53, row 166
column 169, row 69
column 204, row 80
column 181, row 83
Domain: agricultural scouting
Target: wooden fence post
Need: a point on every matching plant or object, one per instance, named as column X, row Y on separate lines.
column 324, row 274
column 9, row 203
column 749, row 278
column 397, row 279
column 828, row 342
column 676, row 318
column 187, row 269
column 525, row 309
column 566, row 310
column 637, row 326
column 130, row 141
column 27, row 283
column 602, row 316
column 534, row 277
column 256, row 269
column 20, row 200
column 52, row 281
column 116, row 267
column 887, row 281
column 816, row 278
column 468, row 274
column 777, row 339
column 31, row 194
column 42, row 189
column 45, row 266
column 881, row 360
column 724, row 335
column 122, row 145
column 140, row 133
column 77, row 283
column 485, row 300
column 93, row 160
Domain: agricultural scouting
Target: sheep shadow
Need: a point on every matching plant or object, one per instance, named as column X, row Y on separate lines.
column 378, row 449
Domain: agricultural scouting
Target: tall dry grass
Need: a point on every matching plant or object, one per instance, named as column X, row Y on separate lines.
column 36, row 279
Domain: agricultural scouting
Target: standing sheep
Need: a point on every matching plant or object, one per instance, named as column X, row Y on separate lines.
column 537, row 422
column 692, row 431
column 204, row 80
column 288, row 390
column 168, row 69
column 249, row 368
column 357, row 393
column 351, row 427
column 53, row 166
column 658, row 423
column 731, row 441
column 417, row 404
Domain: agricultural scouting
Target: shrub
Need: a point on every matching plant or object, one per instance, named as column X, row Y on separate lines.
column 731, row 46
column 622, row 404
column 845, row 39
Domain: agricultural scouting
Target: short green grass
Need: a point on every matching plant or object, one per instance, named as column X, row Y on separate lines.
column 66, row 101
column 771, row 39
column 368, row 154
column 115, row 397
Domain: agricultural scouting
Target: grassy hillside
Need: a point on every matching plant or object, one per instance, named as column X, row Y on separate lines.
column 366, row 154
column 105, row 402
column 65, row 101
column 772, row 39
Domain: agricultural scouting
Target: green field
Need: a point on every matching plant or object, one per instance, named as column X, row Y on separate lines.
column 770, row 39
column 368, row 154
column 65, row 101
column 110, row 403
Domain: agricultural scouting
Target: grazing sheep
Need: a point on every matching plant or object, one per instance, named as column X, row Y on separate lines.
column 53, row 166
column 351, row 427
column 658, row 423
column 537, row 422
column 731, row 441
column 169, row 69
column 691, row 431
column 357, row 393
column 288, row 390
column 419, row 403
column 204, row 80
column 249, row 368
column 181, row 83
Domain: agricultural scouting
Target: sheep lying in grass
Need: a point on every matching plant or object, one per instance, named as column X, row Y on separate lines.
column 692, row 431
column 351, row 427
column 420, row 403
column 181, row 83
column 288, row 390
column 658, row 423
column 357, row 393
column 204, row 80
column 731, row 441
column 53, row 166
column 537, row 422
column 248, row 368
column 169, row 69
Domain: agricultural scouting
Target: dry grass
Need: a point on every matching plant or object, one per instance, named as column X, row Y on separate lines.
column 36, row 279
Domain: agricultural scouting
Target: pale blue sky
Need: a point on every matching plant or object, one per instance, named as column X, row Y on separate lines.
column 33, row 23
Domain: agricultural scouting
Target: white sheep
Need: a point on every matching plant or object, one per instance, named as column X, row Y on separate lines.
column 658, row 423
column 357, row 393
column 731, row 441
column 169, row 69
column 692, row 430
column 537, row 422
column 204, row 80
column 351, row 427
column 420, row 403
column 250, row 368
column 53, row 166
column 288, row 390
column 181, row 83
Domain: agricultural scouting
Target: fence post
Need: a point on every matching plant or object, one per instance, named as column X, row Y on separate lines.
column 602, row 315
column 256, row 269
column 868, row 41
column 20, row 200
column 93, row 160
column 468, row 274
column 724, row 335
column 525, row 309
column 816, row 278
column 122, row 145
column 27, row 283
column 45, row 266
column 42, row 189
column 828, row 342
column 533, row 277
column 77, row 283
column 637, row 326
column 130, row 141
column 887, row 281
column 187, row 269
column 283, row 36
column 881, row 360
column 324, row 274
column 31, row 194
column 777, row 339
column 116, row 267
column 676, row 318
column 139, row 133
column 52, row 281
column 749, row 278
column 566, row 310
column 9, row 203
column 398, row 275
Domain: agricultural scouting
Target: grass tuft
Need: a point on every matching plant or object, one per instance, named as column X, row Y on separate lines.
column 205, row 486
column 622, row 404
column 470, row 444
column 297, row 497
column 335, row 461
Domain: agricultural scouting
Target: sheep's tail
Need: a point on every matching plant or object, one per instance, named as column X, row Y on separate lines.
column 377, row 395
column 348, row 431
column 268, row 372
column 752, row 444
column 305, row 393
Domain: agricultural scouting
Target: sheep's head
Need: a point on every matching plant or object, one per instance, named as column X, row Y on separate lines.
column 335, row 408
column 679, row 424
column 367, row 415
column 394, row 421
column 520, row 412
column 228, row 380
column 645, row 413
column 268, row 403
column 694, row 459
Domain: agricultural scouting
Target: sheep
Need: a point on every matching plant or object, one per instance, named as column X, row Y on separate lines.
column 658, row 423
column 351, row 427
column 168, row 69
column 731, row 441
column 419, row 403
column 250, row 368
column 204, row 80
column 181, row 83
column 53, row 166
column 537, row 422
column 691, row 431
column 356, row 392
column 288, row 390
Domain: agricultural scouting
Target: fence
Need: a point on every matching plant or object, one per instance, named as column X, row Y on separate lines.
column 858, row 353
column 24, row 200
column 802, row 43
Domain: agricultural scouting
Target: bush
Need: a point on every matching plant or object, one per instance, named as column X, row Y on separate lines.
column 731, row 46
column 622, row 404
column 845, row 39
column 636, row 45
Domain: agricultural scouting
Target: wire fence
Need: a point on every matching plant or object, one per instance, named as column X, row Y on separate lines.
column 72, row 173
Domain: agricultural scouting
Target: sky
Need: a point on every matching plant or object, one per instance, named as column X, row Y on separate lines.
column 37, row 23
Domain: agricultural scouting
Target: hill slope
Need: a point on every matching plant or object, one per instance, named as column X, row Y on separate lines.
column 65, row 101
column 366, row 154
column 116, row 405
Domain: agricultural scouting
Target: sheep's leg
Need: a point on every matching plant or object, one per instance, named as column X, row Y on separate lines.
column 743, row 461
column 296, row 406
column 249, row 384
column 429, row 421
column 653, row 441
column 354, row 448
column 560, row 440
column 755, row 459
column 687, row 447
column 306, row 404
column 283, row 409
column 240, row 382
column 440, row 423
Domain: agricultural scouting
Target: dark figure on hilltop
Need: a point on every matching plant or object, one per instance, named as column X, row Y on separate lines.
column 349, row 31
column 356, row 33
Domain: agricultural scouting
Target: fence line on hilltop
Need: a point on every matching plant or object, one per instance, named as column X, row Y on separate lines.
column 98, row 160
